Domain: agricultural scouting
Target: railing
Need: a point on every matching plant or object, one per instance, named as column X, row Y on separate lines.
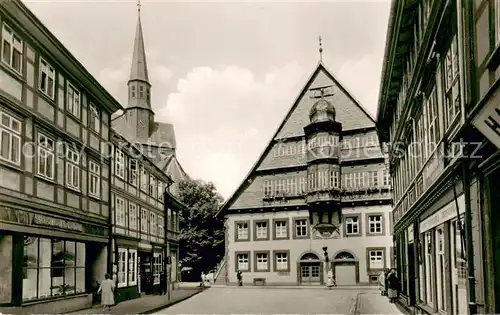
column 222, row 264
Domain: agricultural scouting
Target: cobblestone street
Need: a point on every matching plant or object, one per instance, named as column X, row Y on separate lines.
column 267, row 301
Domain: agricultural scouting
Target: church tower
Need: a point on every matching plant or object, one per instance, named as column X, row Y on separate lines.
column 139, row 112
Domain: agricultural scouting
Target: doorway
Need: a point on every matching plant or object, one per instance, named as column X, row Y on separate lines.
column 145, row 283
column 346, row 268
column 310, row 270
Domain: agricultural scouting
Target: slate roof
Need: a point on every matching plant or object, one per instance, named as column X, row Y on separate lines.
column 340, row 112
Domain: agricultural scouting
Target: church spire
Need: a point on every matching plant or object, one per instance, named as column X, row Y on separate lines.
column 320, row 48
column 139, row 70
column 138, row 85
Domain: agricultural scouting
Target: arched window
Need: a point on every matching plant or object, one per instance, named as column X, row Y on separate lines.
column 344, row 255
column 309, row 256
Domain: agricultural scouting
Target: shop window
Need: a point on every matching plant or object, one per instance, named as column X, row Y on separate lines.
column 421, row 268
column 459, row 269
column 157, row 267
column 127, row 267
column 429, row 266
column 440, row 269
column 52, row 267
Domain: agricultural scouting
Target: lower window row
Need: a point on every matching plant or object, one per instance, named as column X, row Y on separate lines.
column 128, row 262
column 52, row 267
column 263, row 261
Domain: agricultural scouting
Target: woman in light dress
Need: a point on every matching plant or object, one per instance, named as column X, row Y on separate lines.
column 330, row 282
column 381, row 283
column 107, row 288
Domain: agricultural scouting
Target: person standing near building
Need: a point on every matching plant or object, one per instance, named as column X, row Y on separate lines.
column 393, row 286
column 239, row 275
column 330, row 281
column 107, row 296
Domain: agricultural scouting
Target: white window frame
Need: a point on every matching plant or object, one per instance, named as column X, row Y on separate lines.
column 334, row 179
column 157, row 267
column 268, row 188
column 242, row 232
column 72, row 168
column 375, row 222
column 132, row 216
column 243, row 261
column 152, row 224
column 281, row 229
column 281, row 261
column 451, row 76
column 433, row 133
column 47, row 71
column 122, row 267
column 152, row 186
column 119, row 163
column 73, row 100
column 299, row 224
column 95, row 118
column 161, row 228
column 352, row 222
column 120, row 212
column 133, row 172
column 376, row 255
column 94, row 179
column 132, row 267
column 15, row 48
column 45, row 154
column 13, row 129
column 143, row 173
column 262, row 261
column 144, row 221
column 261, row 230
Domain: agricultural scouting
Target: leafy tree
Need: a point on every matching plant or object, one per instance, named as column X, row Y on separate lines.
column 202, row 235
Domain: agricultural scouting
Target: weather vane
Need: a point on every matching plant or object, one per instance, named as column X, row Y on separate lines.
column 320, row 48
column 139, row 5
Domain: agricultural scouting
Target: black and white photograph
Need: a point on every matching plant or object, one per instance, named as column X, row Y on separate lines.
column 250, row 157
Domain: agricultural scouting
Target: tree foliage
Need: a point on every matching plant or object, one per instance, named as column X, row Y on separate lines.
column 202, row 235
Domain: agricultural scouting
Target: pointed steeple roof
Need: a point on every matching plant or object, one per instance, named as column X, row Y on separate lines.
column 139, row 70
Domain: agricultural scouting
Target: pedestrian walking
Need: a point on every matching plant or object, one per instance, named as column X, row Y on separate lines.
column 239, row 275
column 106, row 289
column 393, row 286
column 330, row 280
column 381, row 283
column 163, row 283
column 203, row 278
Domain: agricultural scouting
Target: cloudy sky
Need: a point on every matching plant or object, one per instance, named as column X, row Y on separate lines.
column 224, row 73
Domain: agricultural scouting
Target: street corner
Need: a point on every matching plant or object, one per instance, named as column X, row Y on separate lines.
column 374, row 303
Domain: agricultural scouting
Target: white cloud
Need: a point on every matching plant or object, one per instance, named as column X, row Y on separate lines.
column 362, row 78
column 225, row 117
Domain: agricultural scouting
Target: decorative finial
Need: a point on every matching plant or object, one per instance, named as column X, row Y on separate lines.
column 139, row 6
column 320, row 48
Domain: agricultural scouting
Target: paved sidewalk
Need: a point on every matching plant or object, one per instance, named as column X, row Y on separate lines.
column 308, row 287
column 374, row 303
column 144, row 305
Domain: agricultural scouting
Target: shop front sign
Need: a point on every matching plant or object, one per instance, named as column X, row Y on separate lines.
column 446, row 213
column 487, row 121
column 27, row 218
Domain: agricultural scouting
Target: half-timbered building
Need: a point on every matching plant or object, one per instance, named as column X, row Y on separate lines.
column 54, row 169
